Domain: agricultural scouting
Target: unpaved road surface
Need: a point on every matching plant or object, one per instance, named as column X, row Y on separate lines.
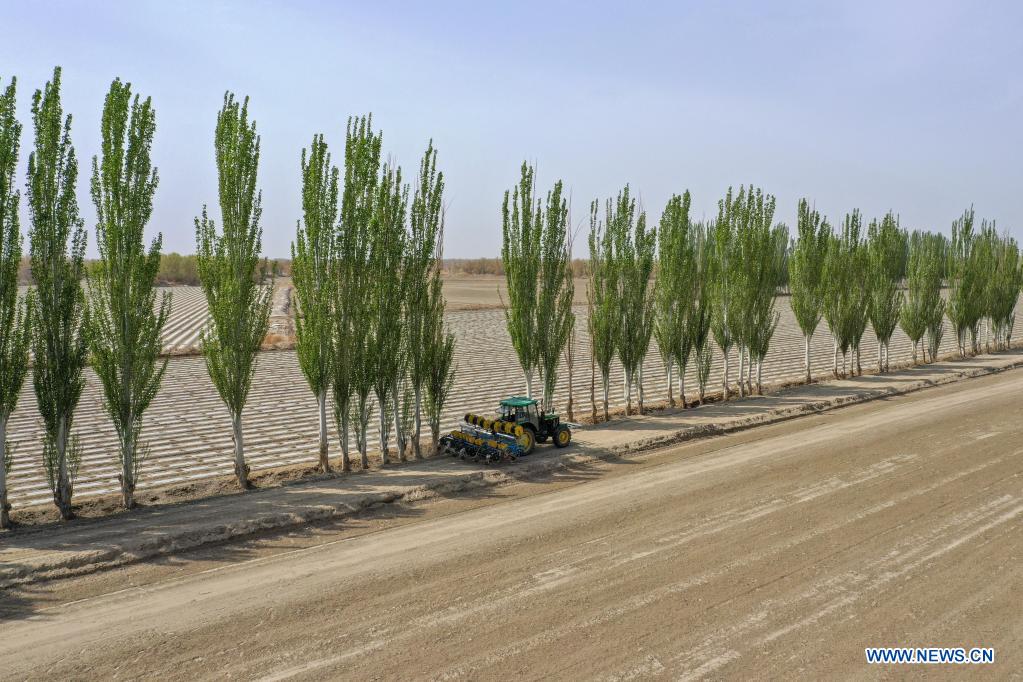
column 779, row 552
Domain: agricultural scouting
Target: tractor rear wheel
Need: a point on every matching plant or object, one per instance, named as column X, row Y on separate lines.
column 563, row 436
column 527, row 440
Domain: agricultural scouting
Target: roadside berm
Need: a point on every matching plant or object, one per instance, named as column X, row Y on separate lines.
column 57, row 551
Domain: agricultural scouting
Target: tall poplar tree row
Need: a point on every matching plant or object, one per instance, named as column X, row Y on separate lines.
column 228, row 264
column 57, row 255
column 15, row 317
column 123, row 323
column 886, row 253
column 848, row 293
column 439, row 345
column 634, row 247
column 806, row 274
column 313, row 274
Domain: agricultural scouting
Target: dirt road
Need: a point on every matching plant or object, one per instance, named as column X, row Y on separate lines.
column 780, row 552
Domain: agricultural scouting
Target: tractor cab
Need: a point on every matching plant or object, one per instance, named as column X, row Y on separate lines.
column 537, row 426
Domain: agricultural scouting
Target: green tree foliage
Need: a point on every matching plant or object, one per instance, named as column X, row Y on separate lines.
column 228, row 261
column 440, row 352
column 1002, row 286
column 806, row 274
column 312, row 272
column 602, row 296
column 353, row 373
column 923, row 305
column 57, row 254
column 387, row 345
column 754, row 265
column 848, row 294
column 675, row 289
column 554, row 317
column 123, row 323
column 965, row 306
column 15, row 318
column 422, row 267
column 535, row 257
column 887, row 254
column 633, row 248
column 702, row 314
column 722, row 294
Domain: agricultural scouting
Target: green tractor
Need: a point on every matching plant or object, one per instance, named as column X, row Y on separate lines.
column 537, row 427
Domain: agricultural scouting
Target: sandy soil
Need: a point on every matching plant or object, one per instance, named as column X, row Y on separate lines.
column 775, row 553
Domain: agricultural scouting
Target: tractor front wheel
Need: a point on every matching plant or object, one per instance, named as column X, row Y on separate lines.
column 563, row 436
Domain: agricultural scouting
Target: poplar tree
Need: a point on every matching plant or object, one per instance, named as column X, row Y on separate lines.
column 886, row 252
column 923, row 302
column 554, row 319
column 1003, row 289
column 440, row 352
column 388, row 349
column 806, row 274
column 15, row 315
column 848, row 293
column 965, row 295
column 602, row 296
column 723, row 283
column 702, row 315
column 228, row 265
column 354, row 315
column 522, row 242
column 312, row 272
column 634, row 248
column 675, row 290
column 426, row 218
column 57, row 257
column 123, row 322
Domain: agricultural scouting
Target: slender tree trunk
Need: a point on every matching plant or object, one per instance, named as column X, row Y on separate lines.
column 671, row 395
column 859, row 367
column 749, row 372
column 321, row 400
column 346, row 461
column 880, row 363
column 416, row 445
column 434, row 436
column 760, row 370
column 606, row 381
column 639, row 386
column 5, row 508
column 529, row 382
column 742, row 372
column 399, row 434
column 628, row 394
column 127, row 467
column 682, row 387
column 364, row 436
column 835, row 366
column 384, row 440
column 241, row 470
column 724, row 379
column 62, row 494
column 806, row 357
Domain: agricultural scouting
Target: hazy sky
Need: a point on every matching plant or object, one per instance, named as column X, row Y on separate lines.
column 916, row 107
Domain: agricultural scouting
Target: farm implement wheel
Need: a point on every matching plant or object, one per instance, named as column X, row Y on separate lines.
column 527, row 440
column 563, row 436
